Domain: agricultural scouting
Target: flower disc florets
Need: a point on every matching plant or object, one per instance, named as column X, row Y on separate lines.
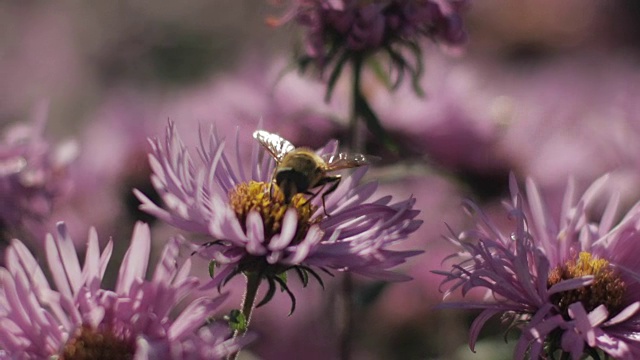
column 268, row 201
column 607, row 287
column 91, row 344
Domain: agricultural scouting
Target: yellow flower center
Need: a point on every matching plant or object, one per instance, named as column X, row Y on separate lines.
column 268, row 201
column 607, row 288
column 91, row 344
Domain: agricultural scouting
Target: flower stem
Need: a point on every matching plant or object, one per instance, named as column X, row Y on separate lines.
column 356, row 144
column 356, row 141
column 346, row 331
column 248, row 304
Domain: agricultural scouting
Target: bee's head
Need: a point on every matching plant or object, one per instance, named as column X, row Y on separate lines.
column 291, row 182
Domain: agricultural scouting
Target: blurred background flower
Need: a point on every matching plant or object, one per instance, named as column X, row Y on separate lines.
column 33, row 176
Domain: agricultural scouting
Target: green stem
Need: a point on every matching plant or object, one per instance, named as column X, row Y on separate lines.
column 356, row 141
column 346, row 331
column 356, row 144
column 248, row 304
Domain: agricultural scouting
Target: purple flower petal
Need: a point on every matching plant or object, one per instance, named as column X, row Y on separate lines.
column 134, row 264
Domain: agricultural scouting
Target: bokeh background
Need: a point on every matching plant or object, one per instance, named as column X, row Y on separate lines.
column 544, row 88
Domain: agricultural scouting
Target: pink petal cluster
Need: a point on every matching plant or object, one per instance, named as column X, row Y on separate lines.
column 513, row 268
column 40, row 319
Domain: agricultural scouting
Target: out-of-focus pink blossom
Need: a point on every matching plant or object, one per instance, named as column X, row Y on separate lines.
column 33, row 175
column 353, row 26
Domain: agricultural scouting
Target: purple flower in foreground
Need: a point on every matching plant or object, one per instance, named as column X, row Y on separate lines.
column 571, row 287
column 32, row 175
column 255, row 231
column 81, row 320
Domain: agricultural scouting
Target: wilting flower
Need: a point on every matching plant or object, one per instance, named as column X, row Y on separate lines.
column 32, row 175
column 81, row 320
column 571, row 287
column 342, row 29
column 253, row 230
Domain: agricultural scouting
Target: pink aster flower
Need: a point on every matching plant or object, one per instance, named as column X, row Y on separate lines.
column 341, row 28
column 572, row 287
column 80, row 319
column 253, row 230
column 33, row 174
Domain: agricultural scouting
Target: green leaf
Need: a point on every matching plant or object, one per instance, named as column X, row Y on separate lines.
column 237, row 321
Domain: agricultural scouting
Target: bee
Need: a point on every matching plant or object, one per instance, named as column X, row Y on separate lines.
column 300, row 170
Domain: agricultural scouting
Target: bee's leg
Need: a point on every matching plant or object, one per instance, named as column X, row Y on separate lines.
column 312, row 195
column 335, row 181
column 273, row 180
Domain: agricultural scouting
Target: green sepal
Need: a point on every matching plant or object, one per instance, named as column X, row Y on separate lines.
column 270, row 292
column 285, row 288
column 399, row 64
column 307, row 270
column 402, row 65
column 282, row 276
column 416, row 74
column 212, row 268
column 379, row 72
column 231, row 275
column 335, row 75
column 304, row 277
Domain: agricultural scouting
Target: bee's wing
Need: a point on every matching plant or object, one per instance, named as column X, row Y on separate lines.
column 345, row 160
column 274, row 144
